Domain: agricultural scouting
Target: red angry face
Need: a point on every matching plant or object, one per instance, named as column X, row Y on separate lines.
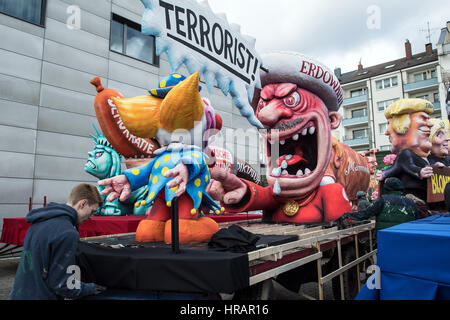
column 298, row 135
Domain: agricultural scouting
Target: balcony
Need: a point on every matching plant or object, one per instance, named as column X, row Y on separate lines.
column 351, row 142
column 419, row 85
column 355, row 121
column 355, row 100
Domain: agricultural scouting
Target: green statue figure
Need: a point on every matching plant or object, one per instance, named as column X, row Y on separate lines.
column 105, row 162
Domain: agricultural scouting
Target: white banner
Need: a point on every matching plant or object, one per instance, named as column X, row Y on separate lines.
column 191, row 34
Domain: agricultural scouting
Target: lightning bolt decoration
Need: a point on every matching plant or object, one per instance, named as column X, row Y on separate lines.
column 192, row 35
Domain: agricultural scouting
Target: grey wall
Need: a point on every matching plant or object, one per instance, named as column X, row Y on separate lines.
column 46, row 100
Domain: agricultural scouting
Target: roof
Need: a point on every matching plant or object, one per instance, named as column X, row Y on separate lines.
column 394, row 65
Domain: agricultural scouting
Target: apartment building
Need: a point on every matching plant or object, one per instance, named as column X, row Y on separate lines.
column 369, row 91
column 49, row 51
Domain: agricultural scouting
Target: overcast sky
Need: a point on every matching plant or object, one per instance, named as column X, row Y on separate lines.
column 338, row 32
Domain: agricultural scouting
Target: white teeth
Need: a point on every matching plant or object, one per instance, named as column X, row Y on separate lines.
column 276, row 172
column 282, row 142
column 288, row 157
column 284, row 164
column 285, row 173
column 295, row 137
column 304, row 132
column 307, row 171
column 299, row 173
column 312, row 130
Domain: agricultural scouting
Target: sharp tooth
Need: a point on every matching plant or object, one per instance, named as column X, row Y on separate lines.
column 282, row 142
column 307, row 171
column 285, row 173
column 295, row 137
column 304, row 132
column 312, row 130
column 284, row 164
column 299, row 173
column 288, row 157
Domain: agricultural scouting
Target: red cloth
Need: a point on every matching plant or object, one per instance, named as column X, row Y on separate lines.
column 15, row 229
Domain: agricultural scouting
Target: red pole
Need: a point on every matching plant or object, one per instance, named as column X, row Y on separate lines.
column 45, row 201
column 30, row 205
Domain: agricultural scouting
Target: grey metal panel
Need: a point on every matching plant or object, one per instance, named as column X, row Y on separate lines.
column 101, row 8
column 80, row 39
column 63, row 145
column 16, row 165
column 21, row 42
column 76, row 59
column 15, row 190
column 143, row 66
column 61, row 168
column 54, row 190
column 18, row 114
column 65, row 122
column 67, row 78
column 127, row 90
column 19, row 90
column 89, row 22
column 226, row 118
column 246, row 153
column 68, row 100
column 12, row 211
column 241, row 122
column 135, row 6
column 21, row 66
column 17, row 139
column 21, row 25
column 132, row 76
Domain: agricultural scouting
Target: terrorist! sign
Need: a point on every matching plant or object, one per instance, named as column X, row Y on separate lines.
column 191, row 34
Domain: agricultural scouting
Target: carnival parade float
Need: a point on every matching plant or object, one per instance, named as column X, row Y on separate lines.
column 176, row 181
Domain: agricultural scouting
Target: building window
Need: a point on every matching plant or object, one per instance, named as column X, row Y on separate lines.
column 359, row 113
column 29, row 10
column 385, row 148
column 386, row 83
column 425, row 97
column 359, row 133
column 433, row 73
column 420, row 76
column 383, row 127
column 358, row 92
column 436, row 97
column 127, row 39
column 382, row 105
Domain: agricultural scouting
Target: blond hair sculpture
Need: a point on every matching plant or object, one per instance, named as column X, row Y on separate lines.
column 400, row 110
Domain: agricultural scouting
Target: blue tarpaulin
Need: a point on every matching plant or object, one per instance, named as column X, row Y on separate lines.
column 414, row 259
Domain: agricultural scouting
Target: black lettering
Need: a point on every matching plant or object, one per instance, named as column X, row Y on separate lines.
column 204, row 31
column 241, row 62
column 168, row 7
column 216, row 27
column 235, row 50
column 250, row 58
column 228, row 45
column 191, row 24
column 179, row 21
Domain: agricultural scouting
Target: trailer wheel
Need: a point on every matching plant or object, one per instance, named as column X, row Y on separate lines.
column 350, row 276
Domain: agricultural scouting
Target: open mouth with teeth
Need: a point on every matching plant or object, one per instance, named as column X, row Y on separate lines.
column 90, row 164
column 297, row 156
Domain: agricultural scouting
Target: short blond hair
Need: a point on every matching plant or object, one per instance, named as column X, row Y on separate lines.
column 400, row 110
column 438, row 124
column 85, row 191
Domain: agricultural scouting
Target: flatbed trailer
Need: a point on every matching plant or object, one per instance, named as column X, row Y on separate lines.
column 319, row 253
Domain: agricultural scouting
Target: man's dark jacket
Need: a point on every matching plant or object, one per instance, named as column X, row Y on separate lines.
column 48, row 252
column 407, row 168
